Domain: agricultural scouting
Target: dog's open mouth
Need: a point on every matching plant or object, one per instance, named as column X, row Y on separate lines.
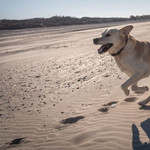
column 104, row 48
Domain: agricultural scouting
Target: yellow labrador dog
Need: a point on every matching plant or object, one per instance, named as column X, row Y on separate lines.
column 132, row 56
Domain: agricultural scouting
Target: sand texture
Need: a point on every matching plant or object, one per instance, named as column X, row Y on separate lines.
column 58, row 93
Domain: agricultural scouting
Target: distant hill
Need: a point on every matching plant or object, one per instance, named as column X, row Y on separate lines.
column 60, row 21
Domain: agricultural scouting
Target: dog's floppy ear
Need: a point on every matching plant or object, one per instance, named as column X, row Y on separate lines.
column 126, row 30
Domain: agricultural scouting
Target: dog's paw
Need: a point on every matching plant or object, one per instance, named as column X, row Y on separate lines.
column 142, row 88
column 142, row 103
column 145, row 88
column 126, row 92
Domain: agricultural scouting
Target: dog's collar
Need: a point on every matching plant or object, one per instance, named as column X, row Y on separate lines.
column 120, row 50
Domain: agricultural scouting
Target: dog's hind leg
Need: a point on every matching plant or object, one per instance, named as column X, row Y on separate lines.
column 134, row 87
column 144, row 102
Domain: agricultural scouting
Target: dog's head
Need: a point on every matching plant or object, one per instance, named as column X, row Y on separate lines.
column 113, row 40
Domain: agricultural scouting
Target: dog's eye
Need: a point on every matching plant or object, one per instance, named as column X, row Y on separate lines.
column 107, row 35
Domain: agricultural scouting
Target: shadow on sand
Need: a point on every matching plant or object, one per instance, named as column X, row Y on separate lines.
column 130, row 99
column 145, row 107
column 136, row 143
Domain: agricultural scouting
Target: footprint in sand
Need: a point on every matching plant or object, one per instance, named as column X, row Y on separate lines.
column 16, row 141
column 72, row 120
column 105, row 109
column 110, row 104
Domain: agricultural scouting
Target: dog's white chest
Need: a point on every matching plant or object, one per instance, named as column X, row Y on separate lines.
column 123, row 66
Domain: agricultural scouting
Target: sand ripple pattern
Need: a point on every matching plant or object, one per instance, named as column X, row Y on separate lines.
column 53, row 88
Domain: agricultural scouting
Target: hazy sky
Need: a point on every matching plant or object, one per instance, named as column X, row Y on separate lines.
column 24, row 9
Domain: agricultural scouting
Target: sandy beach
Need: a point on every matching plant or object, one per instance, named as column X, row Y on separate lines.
column 58, row 93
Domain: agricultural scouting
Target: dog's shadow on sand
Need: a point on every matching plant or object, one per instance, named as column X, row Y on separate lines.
column 145, row 107
column 139, row 92
column 136, row 143
column 130, row 99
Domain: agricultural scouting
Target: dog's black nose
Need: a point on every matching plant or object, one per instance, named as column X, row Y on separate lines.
column 95, row 41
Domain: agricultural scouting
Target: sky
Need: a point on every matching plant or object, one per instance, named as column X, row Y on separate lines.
column 26, row 9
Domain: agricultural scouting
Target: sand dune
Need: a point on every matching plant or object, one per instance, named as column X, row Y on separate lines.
column 57, row 93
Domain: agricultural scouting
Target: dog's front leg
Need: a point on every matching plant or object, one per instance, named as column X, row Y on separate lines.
column 135, row 78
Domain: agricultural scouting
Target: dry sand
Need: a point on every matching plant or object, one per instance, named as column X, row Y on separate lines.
column 57, row 93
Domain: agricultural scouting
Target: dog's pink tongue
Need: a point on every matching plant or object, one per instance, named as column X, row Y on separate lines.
column 100, row 50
